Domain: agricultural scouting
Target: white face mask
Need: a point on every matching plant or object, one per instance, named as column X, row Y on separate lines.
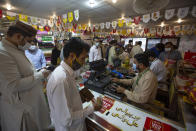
column 25, row 47
column 97, row 44
column 167, row 49
column 33, row 48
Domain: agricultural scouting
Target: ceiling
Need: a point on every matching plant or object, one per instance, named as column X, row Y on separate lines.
column 104, row 11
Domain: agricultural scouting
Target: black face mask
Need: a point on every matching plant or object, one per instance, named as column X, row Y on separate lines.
column 76, row 65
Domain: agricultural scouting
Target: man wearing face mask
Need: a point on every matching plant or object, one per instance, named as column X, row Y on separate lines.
column 23, row 105
column 64, row 99
column 144, row 85
column 36, row 56
column 158, row 68
column 170, row 53
column 95, row 51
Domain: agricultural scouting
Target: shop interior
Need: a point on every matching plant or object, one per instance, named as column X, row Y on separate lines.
column 128, row 28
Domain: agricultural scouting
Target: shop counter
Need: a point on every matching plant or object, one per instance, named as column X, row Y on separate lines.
column 120, row 116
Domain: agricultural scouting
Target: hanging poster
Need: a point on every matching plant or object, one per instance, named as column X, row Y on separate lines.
column 102, row 25
column 128, row 22
column 33, row 20
column 146, row 30
column 114, row 24
column 155, row 16
column 42, row 22
column 107, row 25
column 152, row 31
column 23, row 18
column 183, row 12
column 76, row 15
column 194, row 11
column 11, row 16
column 70, row 16
column 64, row 18
column 51, row 22
column 121, row 22
column 159, row 32
column 169, row 14
column 137, row 20
column 11, row 13
column 97, row 26
column 80, row 27
column 146, row 18
column 35, row 26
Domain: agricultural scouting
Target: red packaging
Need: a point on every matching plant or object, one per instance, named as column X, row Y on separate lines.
column 155, row 125
column 107, row 104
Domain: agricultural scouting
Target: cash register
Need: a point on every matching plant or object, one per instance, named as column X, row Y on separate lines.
column 98, row 79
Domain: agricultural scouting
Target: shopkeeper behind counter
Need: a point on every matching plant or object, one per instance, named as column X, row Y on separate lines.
column 144, row 85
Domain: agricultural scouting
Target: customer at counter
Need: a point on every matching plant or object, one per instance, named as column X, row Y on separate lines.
column 36, row 56
column 144, row 85
column 136, row 49
column 55, row 57
column 158, row 49
column 22, row 105
column 158, row 68
column 170, row 53
column 95, row 51
column 64, row 99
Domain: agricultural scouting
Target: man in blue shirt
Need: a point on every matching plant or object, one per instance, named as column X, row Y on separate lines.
column 36, row 56
column 158, row 49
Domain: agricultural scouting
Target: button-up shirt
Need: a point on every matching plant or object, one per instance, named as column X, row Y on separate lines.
column 144, row 91
column 95, row 54
column 64, row 100
column 136, row 50
column 37, row 58
column 159, row 70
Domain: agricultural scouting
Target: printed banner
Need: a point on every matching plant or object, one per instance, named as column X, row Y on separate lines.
column 11, row 13
column 146, row 18
column 137, row 20
column 97, row 26
column 102, row 25
column 114, row 24
column 169, row 14
column 76, row 15
column 183, row 12
column 70, row 16
column 155, row 16
column 128, row 22
column 33, row 20
column 23, row 18
column 107, row 25
column 64, row 18
column 121, row 23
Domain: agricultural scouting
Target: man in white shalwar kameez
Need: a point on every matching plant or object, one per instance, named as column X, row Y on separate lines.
column 64, row 99
column 22, row 102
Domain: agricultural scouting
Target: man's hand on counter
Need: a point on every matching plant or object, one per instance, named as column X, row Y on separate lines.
column 120, row 89
column 115, row 80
